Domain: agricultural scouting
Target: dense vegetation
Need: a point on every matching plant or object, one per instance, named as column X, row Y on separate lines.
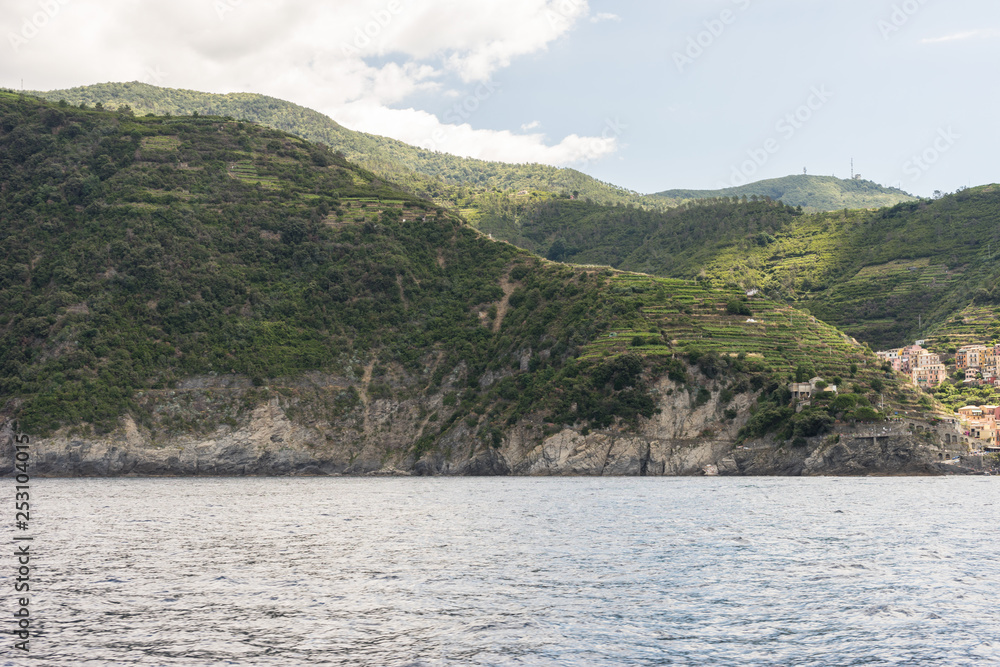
column 813, row 193
column 456, row 181
column 677, row 242
column 140, row 251
column 448, row 179
column 886, row 277
column 137, row 252
column 837, row 264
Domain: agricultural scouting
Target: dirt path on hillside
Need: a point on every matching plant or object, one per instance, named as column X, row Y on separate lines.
column 508, row 289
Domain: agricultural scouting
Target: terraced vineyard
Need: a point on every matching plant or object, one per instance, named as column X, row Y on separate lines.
column 355, row 210
column 974, row 325
column 903, row 291
column 683, row 317
column 244, row 170
column 165, row 144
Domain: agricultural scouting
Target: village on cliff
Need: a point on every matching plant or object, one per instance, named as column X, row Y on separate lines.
column 974, row 365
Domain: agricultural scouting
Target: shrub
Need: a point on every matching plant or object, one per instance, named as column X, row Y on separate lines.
column 738, row 307
column 865, row 414
column 704, row 396
column 811, row 423
column 768, row 417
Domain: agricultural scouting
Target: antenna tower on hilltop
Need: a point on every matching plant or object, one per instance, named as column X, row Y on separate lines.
column 852, row 169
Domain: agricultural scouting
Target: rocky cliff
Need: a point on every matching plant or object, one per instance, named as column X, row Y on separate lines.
column 336, row 426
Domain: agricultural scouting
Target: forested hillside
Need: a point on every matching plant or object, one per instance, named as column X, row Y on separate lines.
column 885, row 276
column 138, row 253
column 451, row 180
column 813, row 193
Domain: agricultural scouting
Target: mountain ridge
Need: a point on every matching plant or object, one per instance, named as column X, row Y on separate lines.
column 420, row 170
column 814, row 193
column 447, row 178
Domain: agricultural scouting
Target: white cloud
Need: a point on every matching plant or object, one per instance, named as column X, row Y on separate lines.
column 351, row 59
column 604, row 16
column 962, row 36
column 531, row 126
column 428, row 131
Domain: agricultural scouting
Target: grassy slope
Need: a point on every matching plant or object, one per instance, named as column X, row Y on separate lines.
column 140, row 251
column 815, row 193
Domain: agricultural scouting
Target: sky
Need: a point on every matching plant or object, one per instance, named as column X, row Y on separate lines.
column 646, row 95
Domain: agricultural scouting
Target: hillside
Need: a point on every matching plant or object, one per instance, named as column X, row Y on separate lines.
column 451, row 180
column 813, row 193
column 886, row 277
column 201, row 287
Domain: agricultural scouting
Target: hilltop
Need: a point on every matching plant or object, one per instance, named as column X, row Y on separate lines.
column 451, row 180
column 191, row 295
column 812, row 193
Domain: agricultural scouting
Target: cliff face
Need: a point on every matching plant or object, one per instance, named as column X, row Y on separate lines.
column 329, row 426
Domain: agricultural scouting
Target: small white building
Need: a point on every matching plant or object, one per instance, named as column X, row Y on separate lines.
column 804, row 391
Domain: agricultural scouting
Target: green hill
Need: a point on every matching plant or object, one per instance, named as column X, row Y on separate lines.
column 886, row 277
column 814, row 193
column 144, row 254
column 451, row 180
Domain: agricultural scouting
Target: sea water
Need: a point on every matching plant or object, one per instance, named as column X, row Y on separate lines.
column 511, row 571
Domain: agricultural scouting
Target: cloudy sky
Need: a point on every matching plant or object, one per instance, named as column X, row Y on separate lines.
column 649, row 95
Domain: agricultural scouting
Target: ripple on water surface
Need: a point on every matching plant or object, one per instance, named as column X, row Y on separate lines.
column 514, row 571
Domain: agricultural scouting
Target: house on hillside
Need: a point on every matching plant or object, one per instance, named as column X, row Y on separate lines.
column 970, row 413
column 970, row 356
column 903, row 360
column 804, row 391
column 984, row 432
column 928, row 371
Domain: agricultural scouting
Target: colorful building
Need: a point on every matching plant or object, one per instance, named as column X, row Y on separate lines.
column 971, row 356
column 929, row 375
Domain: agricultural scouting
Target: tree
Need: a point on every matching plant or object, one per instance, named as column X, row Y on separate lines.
column 738, row 307
column 804, row 373
column 557, row 251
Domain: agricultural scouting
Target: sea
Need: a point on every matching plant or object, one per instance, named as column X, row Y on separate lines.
column 509, row 571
